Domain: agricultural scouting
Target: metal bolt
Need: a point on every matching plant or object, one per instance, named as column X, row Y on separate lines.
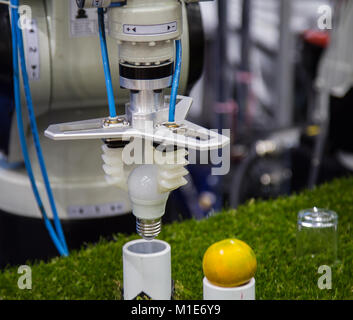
column 117, row 121
column 174, row 127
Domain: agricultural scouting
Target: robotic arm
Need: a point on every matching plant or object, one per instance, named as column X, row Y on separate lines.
column 145, row 31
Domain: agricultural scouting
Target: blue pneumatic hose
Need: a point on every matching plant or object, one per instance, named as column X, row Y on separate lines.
column 106, row 67
column 34, row 129
column 14, row 14
column 117, row 4
column 176, row 79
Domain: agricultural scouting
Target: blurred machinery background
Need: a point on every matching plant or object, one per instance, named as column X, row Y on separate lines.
column 261, row 69
column 253, row 68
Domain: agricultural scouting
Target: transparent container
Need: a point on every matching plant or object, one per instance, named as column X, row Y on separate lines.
column 317, row 234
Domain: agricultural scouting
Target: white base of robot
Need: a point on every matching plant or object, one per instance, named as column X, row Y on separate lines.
column 244, row 292
column 147, row 269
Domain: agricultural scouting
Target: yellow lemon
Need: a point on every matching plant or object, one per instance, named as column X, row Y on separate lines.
column 229, row 263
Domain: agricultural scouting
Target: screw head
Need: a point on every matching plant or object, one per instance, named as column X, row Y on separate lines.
column 117, row 121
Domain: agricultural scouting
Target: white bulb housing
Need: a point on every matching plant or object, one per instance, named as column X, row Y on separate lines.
column 147, row 201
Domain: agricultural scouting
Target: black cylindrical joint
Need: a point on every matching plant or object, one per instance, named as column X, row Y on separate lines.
column 115, row 143
column 146, row 72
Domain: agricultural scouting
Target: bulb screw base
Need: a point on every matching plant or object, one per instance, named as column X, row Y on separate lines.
column 148, row 229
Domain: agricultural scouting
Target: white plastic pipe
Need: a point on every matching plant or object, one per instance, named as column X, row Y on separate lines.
column 244, row 292
column 147, row 269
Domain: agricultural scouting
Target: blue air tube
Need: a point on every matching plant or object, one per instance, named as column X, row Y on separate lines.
column 14, row 14
column 176, row 79
column 117, row 4
column 34, row 129
column 106, row 67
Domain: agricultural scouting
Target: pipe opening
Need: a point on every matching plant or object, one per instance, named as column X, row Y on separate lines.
column 147, row 247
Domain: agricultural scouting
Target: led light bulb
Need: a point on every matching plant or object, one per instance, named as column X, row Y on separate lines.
column 148, row 203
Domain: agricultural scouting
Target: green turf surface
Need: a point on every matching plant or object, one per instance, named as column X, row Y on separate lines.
column 268, row 227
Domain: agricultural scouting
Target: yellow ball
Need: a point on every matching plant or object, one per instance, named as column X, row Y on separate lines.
column 229, row 263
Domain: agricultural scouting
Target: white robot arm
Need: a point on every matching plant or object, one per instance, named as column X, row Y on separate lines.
column 145, row 31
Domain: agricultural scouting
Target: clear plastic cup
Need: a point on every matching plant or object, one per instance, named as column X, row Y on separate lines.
column 317, row 234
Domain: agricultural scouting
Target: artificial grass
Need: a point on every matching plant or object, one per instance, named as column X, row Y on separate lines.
column 269, row 227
